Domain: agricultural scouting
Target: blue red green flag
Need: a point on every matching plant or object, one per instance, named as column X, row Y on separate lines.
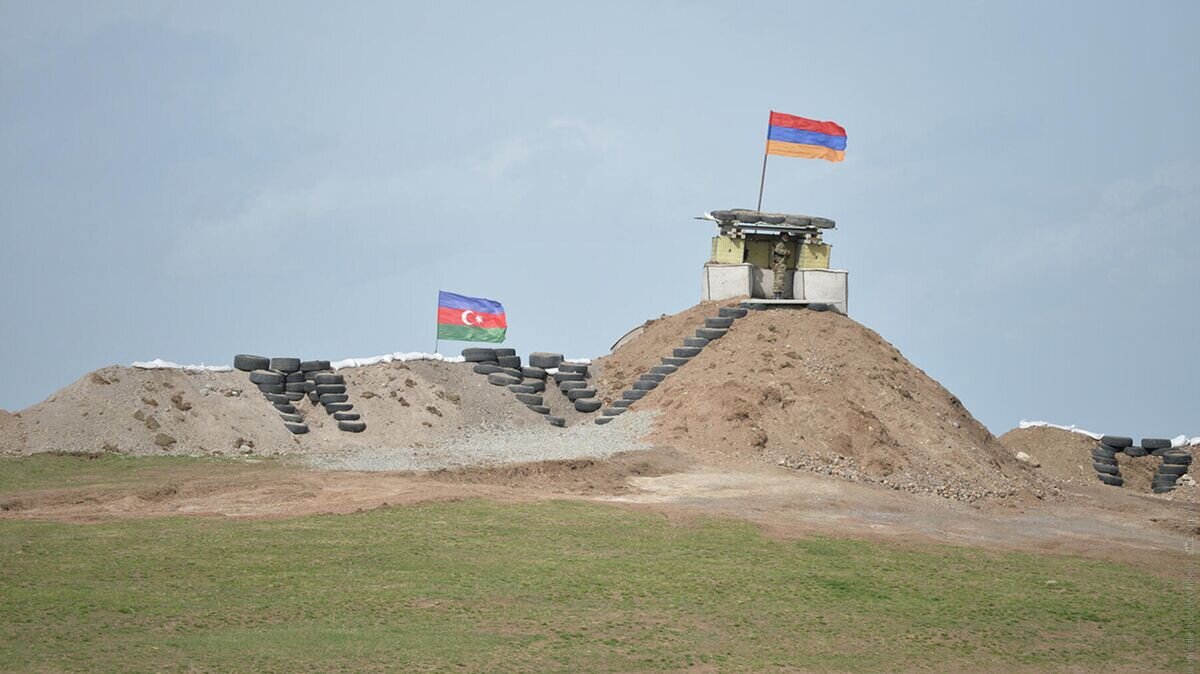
column 470, row 319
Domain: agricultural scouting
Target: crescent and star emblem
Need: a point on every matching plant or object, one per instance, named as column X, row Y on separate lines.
column 466, row 317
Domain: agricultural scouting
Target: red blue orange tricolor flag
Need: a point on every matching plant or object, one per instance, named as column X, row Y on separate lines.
column 792, row 136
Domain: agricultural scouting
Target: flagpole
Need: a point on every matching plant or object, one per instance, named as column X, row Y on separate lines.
column 763, row 179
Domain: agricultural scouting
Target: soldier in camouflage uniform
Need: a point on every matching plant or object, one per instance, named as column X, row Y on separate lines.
column 779, row 260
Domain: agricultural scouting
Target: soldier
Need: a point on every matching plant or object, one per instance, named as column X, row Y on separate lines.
column 779, row 260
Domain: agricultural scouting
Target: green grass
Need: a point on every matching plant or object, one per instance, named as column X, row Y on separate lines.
column 554, row 586
column 49, row 471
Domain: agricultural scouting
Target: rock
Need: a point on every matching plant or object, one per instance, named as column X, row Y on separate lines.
column 1025, row 458
column 368, row 394
column 163, row 440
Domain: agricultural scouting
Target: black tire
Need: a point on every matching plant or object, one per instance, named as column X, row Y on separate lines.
column 540, row 409
column 1103, row 452
column 296, row 428
column 520, row 388
column 485, row 368
column 276, row 398
column 509, row 361
column 293, row 377
column 634, row 394
column 479, row 355
column 748, row 217
column 698, row 342
column 536, row 386
column 685, row 352
column 501, row 379
column 711, row 333
column 267, row 377
column 556, row 421
column 512, row 372
column 1117, row 441
column 772, row 218
column 621, row 402
column 1105, row 468
column 333, row 398
column 1172, row 469
column 357, row 426
column 754, row 306
column 587, row 405
column 544, row 359
column 579, row 393
column 821, row 223
column 650, row 376
column 346, row 416
column 581, row 368
column 817, row 306
column 1178, row 459
column 338, row 407
column 285, row 364
column 1163, row 490
column 314, row 365
column 1111, row 480
column 329, row 378
column 312, row 397
column 271, row 388
column 614, row 411
column 1156, row 443
column 285, row 408
column 293, row 396
column 732, row 312
column 1160, row 452
column 560, row 377
column 297, row 386
column 1136, row 451
column 529, row 398
column 1161, row 479
column 718, row 322
column 798, row 220
column 248, row 363
column 571, row 385
column 603, row 420
column 323, row 389
column 533, row 372
column 1104, row 460
column 644, row 385
column 675, row 361
column 503, row 351
column 664, row 369
column 294, row 418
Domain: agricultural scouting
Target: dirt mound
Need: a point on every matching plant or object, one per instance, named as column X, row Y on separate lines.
column 12, row 434
column 1067, row 456
column 821, row 392
column 135, row 411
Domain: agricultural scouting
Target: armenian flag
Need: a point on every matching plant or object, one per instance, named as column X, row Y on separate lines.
column 470, row 319
column 792, row 136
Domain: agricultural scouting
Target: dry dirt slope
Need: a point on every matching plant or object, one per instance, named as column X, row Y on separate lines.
column 133, row 411
column 796, row 382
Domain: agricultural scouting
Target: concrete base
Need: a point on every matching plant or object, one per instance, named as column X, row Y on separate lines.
column 811, row 286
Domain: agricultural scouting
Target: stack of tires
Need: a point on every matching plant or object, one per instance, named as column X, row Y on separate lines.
column 503, row 368
column 1174, row 464
column 713, row 329
column 572, row 380
column 329, row 388
column 272, row 376
column 1104, row 459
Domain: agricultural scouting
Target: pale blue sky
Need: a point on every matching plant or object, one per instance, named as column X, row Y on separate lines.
column 1019, row 209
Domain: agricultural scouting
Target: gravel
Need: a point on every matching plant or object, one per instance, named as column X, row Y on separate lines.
column 495, row 445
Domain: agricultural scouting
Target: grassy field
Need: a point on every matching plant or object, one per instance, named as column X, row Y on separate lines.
column 555, row 586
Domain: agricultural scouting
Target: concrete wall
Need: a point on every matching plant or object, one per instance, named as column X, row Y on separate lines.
column 727, row 281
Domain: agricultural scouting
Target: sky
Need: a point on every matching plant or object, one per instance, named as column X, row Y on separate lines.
column 1019, row 208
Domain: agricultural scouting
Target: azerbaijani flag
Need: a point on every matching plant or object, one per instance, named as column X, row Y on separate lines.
column 470, row 319
column 793, row 136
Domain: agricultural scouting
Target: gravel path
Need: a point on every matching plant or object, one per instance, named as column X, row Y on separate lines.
column 492, row 445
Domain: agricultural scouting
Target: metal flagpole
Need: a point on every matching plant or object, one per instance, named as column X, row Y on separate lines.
column 762, row 181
